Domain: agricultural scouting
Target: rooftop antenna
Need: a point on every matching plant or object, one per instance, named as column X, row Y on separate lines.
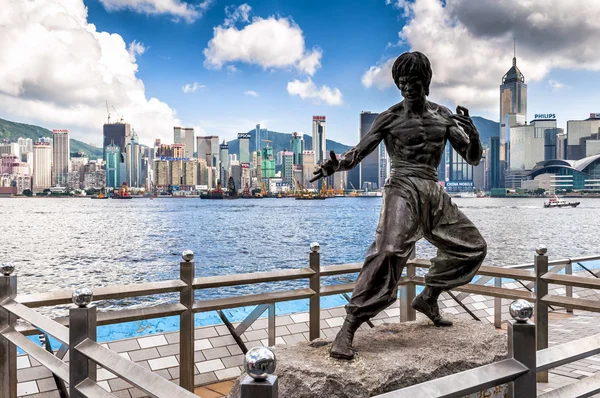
column 515, row 51
column 107, row 113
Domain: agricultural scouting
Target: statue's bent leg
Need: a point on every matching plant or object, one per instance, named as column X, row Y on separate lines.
column 377, row 284
column 461, row 250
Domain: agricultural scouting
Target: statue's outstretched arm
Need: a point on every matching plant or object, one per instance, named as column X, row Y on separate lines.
column 353, row 156
column 464, row 137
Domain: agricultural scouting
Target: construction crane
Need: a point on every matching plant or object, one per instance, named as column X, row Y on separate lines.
column 108, row 113
column 118, row 114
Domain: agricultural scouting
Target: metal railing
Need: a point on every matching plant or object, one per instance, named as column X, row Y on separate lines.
column 13, row 307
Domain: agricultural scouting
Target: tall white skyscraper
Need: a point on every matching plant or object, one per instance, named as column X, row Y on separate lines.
column 61, row 150
column 319, row 139
column 185, row 136
column 133, row 161
column 42, row 166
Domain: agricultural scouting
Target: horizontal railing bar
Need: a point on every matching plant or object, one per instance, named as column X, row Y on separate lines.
column 464, row 383
column 583, row 388
column 348, row 287
column 572, row 280
column 113, row 317
column 484, row 290
column 567, row 352
column 102, row 293
column 251, row 278
column 131, row 372
column 90, row 389
column 253, row 299
column 572, row 302
column 48, row 325
column 340, row 269
column 562, row 261
column 51, row 362
column 506, row 273
column 585, row 258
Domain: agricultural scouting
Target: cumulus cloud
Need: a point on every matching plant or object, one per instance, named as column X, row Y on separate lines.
column 556, row 85
column 308, row 89
column 274, row 42
column 251, row 93
column 231, row 69
column 57, row 71
column 470, row 43
column 191, row 88
column 176, row 8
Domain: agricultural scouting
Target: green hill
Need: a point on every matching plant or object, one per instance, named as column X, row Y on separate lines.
column 487, row 129
column 13, row 131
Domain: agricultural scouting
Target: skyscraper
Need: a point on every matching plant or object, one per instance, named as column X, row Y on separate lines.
column 133, row 161
column 495, row 164
column 268, row 163
column 42, row 166
column 319, row 139
column 185, row 136
column 224, row 166
column 112, row 159
column 297, row 146
column 259, row 136
column 244, row 142
column 117, row 134
column 578, row 133
column 513, row 99
column 287, row 161
column 61, row 150
column 369, row 166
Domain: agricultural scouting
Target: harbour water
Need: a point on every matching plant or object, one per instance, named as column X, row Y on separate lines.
column 68, row 243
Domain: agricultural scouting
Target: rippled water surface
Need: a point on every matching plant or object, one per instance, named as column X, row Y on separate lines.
column 65, row 243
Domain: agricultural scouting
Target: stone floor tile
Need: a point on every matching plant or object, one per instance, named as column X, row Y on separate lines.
column 284, row 320
column 143, row 355
column 122, row 394
column 234, row 349
column 281, row 330
column 226, row 374
column 202, row 379
column 236, row 360
column 256, row 334
column 163, row 363
column 222, row 341
column 103, row 374
column 35, row 373
column 47, row 394
column 301, row 317
column 47, row 384
column 222, row 330
column 210, row 366
column 298, row 327
column 23, row 362
column 294, row 338
column 172, row 338
column 205, row 332
column 167, row 350
column 335, row 322
column 202, row 344
column 124, row 345
column 27, row 388
column 152, row 341
column 218, row 352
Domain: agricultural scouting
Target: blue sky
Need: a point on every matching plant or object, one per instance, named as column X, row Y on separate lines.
column 140, row 54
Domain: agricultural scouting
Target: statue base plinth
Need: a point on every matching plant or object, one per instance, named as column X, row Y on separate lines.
column 390, row 357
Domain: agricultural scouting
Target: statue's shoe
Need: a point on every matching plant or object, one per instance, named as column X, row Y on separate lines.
column 431, row 310
column 342, row 346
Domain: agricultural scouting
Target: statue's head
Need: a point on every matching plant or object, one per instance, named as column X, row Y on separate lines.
column 412, row 75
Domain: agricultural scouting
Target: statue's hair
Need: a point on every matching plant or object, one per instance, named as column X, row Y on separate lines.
column 413, row 64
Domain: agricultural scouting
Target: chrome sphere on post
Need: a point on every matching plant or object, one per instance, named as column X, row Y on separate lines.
column 521, row 310
column 260, row 362
column 541, row 250
column 7, row 269
column 187, row 255
column 315, row 247
column 82, row 297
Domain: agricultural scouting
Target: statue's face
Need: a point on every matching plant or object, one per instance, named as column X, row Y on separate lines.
column 412, row 89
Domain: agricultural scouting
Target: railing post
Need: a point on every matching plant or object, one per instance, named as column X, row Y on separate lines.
column 186, row 323
column 569, row 289
column 541, row 308
column 315, row 285
column 407, row 294
column 8, row 351
column 497, row 305
column 521, row 346
column 260, row 364
column 82, row 326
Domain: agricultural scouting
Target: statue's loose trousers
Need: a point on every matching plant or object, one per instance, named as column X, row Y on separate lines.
column 415, row 206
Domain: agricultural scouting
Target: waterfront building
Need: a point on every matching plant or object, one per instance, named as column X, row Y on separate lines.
column 208, row 149
column 185, row 136
column 287, row 162
column 116, row 133
column 513, row 100
column 202, row 176
column 178, row 151
column 73, row 180
column 532, row 143
column 246, row 176
column 112, row 165
column 94, row 180
column 460, row 173
column 61, row 149
column 133, row 162
column 176, row 172
column 579, row 132
column 495, row 164
column 479, row 175
column 308, row 168
column 224, row 166
column 79, row 160
column 10, row 148
column 213, row 176
column 319, row 139
column 190, row 174
column 297, row 145
column 244, row 145
column 369, row 166
column 42, row 166
column 164, row 151
column 162, row 174
column 582, row 174
column 268, row 163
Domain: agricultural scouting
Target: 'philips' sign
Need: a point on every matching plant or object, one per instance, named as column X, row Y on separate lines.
column 545, row 116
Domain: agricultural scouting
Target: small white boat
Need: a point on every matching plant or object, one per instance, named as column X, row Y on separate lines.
column 559, row 202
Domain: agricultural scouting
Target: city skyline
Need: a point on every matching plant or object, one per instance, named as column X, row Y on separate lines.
column 146, row 82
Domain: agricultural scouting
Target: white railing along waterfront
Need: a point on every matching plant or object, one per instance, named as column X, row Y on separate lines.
column 85, row 349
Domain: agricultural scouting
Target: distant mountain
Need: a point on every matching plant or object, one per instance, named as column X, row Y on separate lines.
column 13, row 131
column 487, row 128
column 282, row 141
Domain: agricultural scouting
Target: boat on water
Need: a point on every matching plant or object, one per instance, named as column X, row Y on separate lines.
column 122, row 193
column 100, row 196
column 310, row 196
column 559, row 202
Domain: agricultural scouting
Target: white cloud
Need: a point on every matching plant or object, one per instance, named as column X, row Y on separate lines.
column 251, row 93
column 556, row 85
column 191, row 88
column 57, row 71
column 308, row 89
column 176, row 8
column 136, row 48
column 234, row 15
column 274, row 42
column 231, row 69
column 470, row 44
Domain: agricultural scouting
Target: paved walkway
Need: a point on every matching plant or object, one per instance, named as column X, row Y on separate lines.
column 218, row 358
